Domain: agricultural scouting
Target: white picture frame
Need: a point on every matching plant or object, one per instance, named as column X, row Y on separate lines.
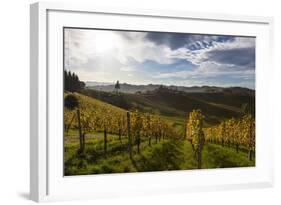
column 47, row 182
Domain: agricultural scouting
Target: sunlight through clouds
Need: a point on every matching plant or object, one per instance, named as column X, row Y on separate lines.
column 160, row 58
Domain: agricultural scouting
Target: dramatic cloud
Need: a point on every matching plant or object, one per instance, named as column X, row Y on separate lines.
column 236, row 56
column 179, row 40
column 166, row 58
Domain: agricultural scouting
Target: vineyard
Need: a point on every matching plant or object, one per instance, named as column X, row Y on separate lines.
column 103, row 138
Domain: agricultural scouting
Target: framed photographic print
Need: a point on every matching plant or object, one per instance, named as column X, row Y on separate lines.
column 127, row 102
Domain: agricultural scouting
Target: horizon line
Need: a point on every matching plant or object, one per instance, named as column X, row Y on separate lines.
column 169, row 85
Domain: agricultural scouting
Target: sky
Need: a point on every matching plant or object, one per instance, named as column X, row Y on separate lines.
column 142, row 58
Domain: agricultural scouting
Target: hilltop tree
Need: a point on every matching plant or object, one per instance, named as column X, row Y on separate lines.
column 117, row 86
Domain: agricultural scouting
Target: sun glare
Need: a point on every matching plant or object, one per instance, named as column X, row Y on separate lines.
column 104, row 41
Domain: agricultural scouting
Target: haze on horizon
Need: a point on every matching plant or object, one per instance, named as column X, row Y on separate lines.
column 142, row 58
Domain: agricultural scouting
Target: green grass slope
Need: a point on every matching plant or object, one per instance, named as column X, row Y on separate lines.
column 90, row 103
column 163, row 156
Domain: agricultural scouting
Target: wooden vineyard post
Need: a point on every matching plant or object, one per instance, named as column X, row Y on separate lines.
column 138, row 134
column 250, row 154
column 149, row 129
column 83, row 141
column 68, row 127
column 237, row 147
column 119, row 130
column 105, row 140
column 185, row 130
column 129, row 134
column 252, row 139
column 138, row 142
column 80, row 131
column 119, row 133
column 201, row 144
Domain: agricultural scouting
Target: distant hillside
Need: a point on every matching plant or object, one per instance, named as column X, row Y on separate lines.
column 92, row 83
column 129, row 88
column 176, row 104
column 125, row 88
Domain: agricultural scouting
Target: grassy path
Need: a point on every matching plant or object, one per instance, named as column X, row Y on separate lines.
column 165, row 155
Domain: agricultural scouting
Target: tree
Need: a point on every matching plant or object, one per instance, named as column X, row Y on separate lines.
column 71, row 102
column 117, row 86
column 72, row 82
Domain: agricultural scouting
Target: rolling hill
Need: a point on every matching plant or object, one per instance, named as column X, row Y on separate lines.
column 130, row 88
column 175, row 104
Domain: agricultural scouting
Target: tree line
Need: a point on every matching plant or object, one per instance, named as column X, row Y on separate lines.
column 72, row 82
